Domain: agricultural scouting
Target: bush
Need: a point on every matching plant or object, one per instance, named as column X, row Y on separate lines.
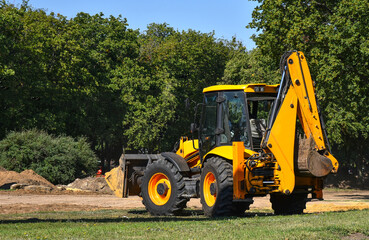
column 59, row 159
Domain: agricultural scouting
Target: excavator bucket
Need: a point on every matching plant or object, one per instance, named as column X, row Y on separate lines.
column 310, row 162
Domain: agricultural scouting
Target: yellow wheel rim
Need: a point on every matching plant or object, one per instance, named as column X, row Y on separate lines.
column 208, row 180
column 155, row 181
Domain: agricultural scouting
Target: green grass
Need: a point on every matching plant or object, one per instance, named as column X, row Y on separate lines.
column 138, row 224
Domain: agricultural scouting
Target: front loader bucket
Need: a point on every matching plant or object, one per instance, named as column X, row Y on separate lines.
column 115, row 180
column 125, row 180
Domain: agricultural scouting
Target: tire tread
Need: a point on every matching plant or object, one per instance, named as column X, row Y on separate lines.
column 288, row 204
column 172, row 207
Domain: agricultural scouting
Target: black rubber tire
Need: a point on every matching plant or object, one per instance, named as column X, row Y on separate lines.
column 176, row 202
column 239, row 208
column 223, row 174
column 288, row 204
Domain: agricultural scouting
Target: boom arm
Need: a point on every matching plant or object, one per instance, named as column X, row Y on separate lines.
column 304, row 89
column 297, row 99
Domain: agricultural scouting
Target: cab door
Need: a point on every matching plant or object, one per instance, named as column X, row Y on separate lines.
column 208, row 123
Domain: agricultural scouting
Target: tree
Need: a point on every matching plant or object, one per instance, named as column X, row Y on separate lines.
column 247, row 67
column 60, row 159
column 193, row 60
column 56, row 74
column 171, row 67
column 93, row 76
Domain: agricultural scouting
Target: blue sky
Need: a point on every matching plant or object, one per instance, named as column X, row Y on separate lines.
column 226, row 18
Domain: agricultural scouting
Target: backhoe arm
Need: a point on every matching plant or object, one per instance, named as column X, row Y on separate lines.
column 303, row 87
column 297, row 100
column 308, row 108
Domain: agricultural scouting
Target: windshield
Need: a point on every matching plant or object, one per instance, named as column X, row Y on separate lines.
column 227, row 117
column 234, row 119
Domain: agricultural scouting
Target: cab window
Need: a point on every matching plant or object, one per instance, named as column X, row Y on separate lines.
column 234, row 118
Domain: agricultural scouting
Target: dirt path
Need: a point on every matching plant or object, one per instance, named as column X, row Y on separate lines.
column 18, row 202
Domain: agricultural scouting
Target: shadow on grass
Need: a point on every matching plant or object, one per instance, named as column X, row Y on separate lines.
column 186, row 215
column 355, row 196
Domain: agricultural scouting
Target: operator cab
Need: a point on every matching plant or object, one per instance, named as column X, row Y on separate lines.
column 235, row 113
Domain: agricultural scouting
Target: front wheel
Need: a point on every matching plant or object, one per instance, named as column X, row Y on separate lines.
column 162, row 189
column 216, row 188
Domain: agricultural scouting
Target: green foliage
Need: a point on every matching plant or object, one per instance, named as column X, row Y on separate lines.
column 182, row 63
column 334, row 37
column 58, row 159
column 93, row 76
column 246, row 67
column 57, row 74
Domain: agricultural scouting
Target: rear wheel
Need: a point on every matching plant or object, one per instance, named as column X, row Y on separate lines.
column 162, row 189
column 288, row 204
column 239, row 208
column 216, row 187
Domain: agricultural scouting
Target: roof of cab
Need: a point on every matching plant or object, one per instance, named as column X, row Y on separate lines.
column 246, row 87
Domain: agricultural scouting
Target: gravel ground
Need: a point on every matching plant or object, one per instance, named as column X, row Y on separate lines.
column 24, row 202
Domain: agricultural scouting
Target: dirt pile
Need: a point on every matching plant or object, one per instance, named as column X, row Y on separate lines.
column 29, row 181
column 23, row 179
column 92, row 184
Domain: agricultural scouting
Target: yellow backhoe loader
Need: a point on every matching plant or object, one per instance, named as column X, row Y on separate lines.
column 253, row 140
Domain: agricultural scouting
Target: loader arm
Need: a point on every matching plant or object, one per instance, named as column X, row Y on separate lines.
column 297, row 100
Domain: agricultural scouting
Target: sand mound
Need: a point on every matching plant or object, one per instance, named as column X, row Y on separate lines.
column 93, row 184
column 27, row 177
column 31, row 181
